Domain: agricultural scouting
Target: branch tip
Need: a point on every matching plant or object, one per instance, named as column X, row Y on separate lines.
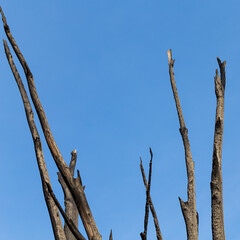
column 110, row 236
column 74, row 152
column 151, row 153
column 189, row 213
column 169, row 53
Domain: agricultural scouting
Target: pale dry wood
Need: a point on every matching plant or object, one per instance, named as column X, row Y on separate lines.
column 52, row 208
column 154, row 214
column 188, row 207
column 70, row 206
column 218, row 232
column 76, row 190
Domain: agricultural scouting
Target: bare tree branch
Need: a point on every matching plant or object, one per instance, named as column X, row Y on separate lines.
column 154, row 214
column 52, row 209
column 189, row 207
column 218, row 232
column 70, row 206
column 144, row 234
column 76, row 191
column 69, row 221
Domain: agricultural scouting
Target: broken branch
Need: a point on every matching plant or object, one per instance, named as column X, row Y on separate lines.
column 189, row 207
column 218, row 232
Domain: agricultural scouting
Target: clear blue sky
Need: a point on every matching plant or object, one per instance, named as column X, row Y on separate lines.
column 101, row 71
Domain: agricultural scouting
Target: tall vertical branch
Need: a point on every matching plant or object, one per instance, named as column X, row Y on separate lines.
column 188, row 207
column 52, row 208
column 218, row 232
column 76, row 190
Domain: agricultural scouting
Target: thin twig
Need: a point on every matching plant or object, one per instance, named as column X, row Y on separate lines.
column 144, row 234
column 154, row 214
column 189, row 207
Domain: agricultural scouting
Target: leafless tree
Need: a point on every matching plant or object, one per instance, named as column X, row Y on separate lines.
column 74, row 196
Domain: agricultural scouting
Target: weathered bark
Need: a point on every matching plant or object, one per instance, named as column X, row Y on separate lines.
column 154, row 214
column 218, row 232
column 73, row 228
column 70, row 206
column 52, row 208
column 76, row 190
column 189, row 207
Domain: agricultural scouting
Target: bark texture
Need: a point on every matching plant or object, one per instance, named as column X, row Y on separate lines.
column 189, row 207
column 52, row 208
column 218, row 232
column 75, row 188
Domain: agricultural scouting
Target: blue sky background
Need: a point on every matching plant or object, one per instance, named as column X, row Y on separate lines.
column 101, row 71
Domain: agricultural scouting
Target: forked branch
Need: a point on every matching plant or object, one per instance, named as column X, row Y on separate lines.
column 189, row 207
column 218, row 232
column 144, row 234
column 154, row 214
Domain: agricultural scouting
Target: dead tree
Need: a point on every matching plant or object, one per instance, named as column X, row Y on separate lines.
column 74, row 196
column 189, row 211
